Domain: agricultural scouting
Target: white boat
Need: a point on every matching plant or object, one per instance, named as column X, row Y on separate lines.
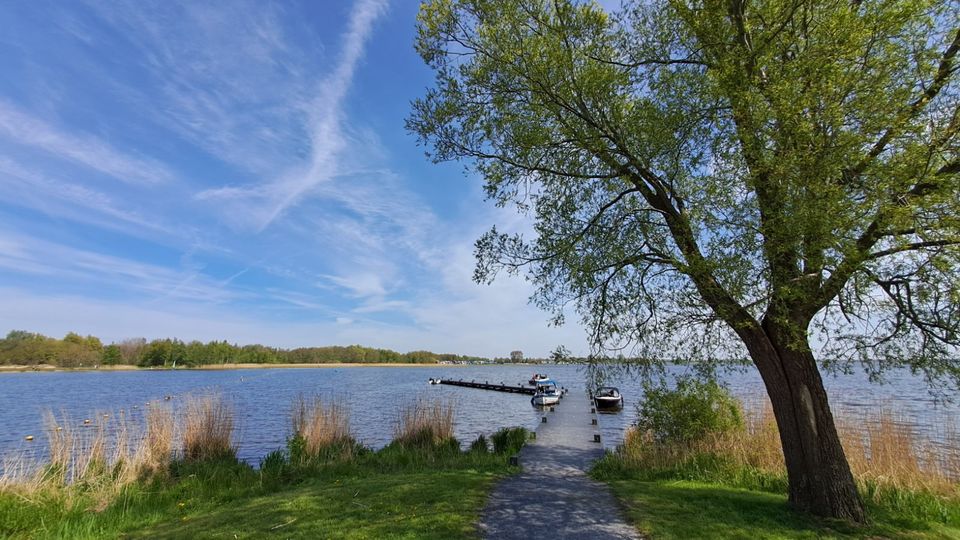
column 547, row 393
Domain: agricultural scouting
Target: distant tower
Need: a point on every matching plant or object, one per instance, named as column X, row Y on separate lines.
column 516, row 356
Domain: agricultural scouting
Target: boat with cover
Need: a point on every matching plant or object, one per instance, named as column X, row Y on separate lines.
column 608, row 398
column 537, row 377
column 547, row 393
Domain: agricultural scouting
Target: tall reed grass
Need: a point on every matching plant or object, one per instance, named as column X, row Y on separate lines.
column 101, row 455
column 208, row 428
column 885, row 454
column 425, row 424
column 321, row 430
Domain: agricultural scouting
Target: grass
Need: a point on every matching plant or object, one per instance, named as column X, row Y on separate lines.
column 681, row 509
column 207, row 500
column 733, row 484
column 425, row 489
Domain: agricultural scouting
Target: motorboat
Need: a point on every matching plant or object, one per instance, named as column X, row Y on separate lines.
column 547, row 393
column 438, row 380
column 608, row 398
column 538, row 377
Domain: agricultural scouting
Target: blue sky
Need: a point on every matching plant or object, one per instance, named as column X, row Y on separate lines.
column 239, row 170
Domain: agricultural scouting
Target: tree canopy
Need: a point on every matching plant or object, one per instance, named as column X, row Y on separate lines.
column 711, row 178
column 690, row 163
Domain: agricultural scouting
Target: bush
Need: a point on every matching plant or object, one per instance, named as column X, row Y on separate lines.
column 480, row 445
column 690, row 412
column 509, row 440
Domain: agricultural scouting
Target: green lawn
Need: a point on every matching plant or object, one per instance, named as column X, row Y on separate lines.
column 391, row 505
column 389, row 494
column 669, row 509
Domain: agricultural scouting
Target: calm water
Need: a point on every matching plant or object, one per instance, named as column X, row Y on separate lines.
column 262, row 399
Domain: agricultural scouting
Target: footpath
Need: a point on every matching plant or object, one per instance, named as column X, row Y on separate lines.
column 553, row 498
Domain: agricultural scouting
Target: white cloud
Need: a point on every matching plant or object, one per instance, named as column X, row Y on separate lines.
column 30, row 188
column 30, row 255
column 87, row 150
column 264, row 203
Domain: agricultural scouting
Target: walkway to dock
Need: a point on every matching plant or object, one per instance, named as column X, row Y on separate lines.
column 553, row 497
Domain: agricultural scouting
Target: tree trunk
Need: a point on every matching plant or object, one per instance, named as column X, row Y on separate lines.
column 817, row 469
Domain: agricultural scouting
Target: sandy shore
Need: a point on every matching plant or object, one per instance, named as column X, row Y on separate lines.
column 45, row 367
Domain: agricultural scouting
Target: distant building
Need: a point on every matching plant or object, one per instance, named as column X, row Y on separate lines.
column 516, row 356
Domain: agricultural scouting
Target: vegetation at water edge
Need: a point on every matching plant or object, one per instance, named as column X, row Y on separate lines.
column 178, row 475
column 692, row 472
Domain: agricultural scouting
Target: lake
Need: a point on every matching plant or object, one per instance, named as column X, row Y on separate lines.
column 262, row 399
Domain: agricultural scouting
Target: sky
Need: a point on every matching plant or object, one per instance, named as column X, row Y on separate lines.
column 239, row 170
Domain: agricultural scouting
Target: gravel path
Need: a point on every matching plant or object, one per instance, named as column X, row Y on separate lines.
column 553, row 497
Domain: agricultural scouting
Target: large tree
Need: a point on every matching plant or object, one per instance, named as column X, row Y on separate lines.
column 781, row 175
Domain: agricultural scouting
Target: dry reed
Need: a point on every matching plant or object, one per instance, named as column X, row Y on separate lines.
column 207, row 428
column 424, row 425
column 882, row 449
column 103, row 454
column 323, row 427
column 152, row 457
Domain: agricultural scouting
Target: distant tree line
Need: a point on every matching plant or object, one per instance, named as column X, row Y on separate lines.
column 74, row 350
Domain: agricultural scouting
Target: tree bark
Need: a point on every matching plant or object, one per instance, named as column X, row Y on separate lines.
column 820, row 481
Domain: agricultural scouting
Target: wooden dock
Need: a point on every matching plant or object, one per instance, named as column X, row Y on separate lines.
column 553, row 497
column 520, row 389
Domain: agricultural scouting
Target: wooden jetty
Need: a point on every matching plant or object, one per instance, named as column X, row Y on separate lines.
column 519, row 389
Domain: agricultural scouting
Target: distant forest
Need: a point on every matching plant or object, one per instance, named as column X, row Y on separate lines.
column 74, row 350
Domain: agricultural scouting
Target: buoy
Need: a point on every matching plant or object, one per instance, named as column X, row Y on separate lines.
column 29, row 437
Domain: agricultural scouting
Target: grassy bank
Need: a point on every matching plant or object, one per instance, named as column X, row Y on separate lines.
column 181, row 479
column 733, row 484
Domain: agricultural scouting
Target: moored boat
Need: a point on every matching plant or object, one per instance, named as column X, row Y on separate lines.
column 547, row 393
column 537, row 378
column 608, row 398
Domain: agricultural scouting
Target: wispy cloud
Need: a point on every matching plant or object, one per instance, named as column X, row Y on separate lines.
column 87, row 150
column 25, row 254
column 265, row 202
column 24, row 186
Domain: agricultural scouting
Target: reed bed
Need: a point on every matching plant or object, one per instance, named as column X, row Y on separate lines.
column 156, row 448
column 885, row 454
column 102, row 454
column 425, row 424
column 208, row 425
column 322, row 428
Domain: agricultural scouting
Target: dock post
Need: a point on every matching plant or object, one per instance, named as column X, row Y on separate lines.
column 596, row 438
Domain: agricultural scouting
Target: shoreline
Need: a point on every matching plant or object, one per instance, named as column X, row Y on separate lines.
column 46, row 368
